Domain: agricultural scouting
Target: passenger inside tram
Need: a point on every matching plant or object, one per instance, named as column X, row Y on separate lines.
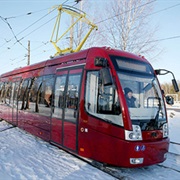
column 130, row 99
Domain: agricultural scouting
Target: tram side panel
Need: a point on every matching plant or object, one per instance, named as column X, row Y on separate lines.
column 6, row 112
column 34, row 112
column 97, row 139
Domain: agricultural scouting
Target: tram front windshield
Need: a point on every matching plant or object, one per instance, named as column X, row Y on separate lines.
column 142, row 93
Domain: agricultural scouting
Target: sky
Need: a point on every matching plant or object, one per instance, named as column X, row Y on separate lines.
column 21, row 21
column 169, row 30
column 25, row 157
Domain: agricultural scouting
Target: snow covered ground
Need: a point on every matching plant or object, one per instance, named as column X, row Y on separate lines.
column 25, row 157
column 174, row 130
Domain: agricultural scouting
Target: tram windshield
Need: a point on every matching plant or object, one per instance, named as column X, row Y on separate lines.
column 142, row 93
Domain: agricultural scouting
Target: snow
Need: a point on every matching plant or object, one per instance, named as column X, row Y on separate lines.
column 25, row 157
column 174, row 130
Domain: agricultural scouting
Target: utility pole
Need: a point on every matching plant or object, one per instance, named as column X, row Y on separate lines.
column 28, row 62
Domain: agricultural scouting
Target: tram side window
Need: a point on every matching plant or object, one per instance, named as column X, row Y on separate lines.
column 44, row 96
column 23, row 94
column 36, row 95
column 59, row 96
column 25, row 99
column 102, row 101
column 72, row 95
column 32, row 94
column 3, row 90
column 16, row 91
column 11, row 93
column 7, row 93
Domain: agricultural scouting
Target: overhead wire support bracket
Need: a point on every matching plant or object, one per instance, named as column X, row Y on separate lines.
column 74, row 13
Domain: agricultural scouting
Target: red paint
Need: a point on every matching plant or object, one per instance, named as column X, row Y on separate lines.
column 88, row 135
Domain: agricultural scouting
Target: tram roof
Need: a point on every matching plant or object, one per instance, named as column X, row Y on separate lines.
column 81, row 55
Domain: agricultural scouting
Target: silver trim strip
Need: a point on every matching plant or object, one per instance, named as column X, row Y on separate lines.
column 71, row 66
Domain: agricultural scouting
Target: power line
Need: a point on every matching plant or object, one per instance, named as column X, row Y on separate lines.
column 39, row 27
column 125, row 12
column 15, row 36
column 163, row 39
column 26, row 14
column 18, row 41
column 165, row 9
column 65, row 2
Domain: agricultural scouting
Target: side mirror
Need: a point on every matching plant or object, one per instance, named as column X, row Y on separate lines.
column 163, row 72
column 169, row 100
column 105, row 76
column 175, row 85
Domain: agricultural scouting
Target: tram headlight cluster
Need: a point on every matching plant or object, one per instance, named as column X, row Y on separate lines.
column 135, row 134
column 165, row 130
column 136, row 160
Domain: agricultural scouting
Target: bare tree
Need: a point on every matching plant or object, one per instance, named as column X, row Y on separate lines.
column 81, row 29
column 169, row 89
column 127, row 26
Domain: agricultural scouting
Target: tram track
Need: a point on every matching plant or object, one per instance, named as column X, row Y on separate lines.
column 127, row 173
column 112, row 171
column 175, row 143
column 6, row 129
column 160, row 165
column 170, row 163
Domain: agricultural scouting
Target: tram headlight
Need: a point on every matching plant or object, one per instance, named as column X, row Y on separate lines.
column 135, row 134
column 132, row 136
column 136, row 160
column 165, row 130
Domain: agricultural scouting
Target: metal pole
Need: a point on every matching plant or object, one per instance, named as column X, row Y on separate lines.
column 28, row 62
column 72, row 33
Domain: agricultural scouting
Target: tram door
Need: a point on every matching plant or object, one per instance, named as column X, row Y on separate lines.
column 14, row 101
column 65, row 108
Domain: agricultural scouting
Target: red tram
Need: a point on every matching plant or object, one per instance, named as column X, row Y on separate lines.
column 79, row 102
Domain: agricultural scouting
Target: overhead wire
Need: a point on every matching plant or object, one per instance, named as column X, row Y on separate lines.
column 125, row 11
column 27, row 14
column 6, row 21
column 6, row 18
column 15, row 35
column 165, row 9
column 28, row 33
